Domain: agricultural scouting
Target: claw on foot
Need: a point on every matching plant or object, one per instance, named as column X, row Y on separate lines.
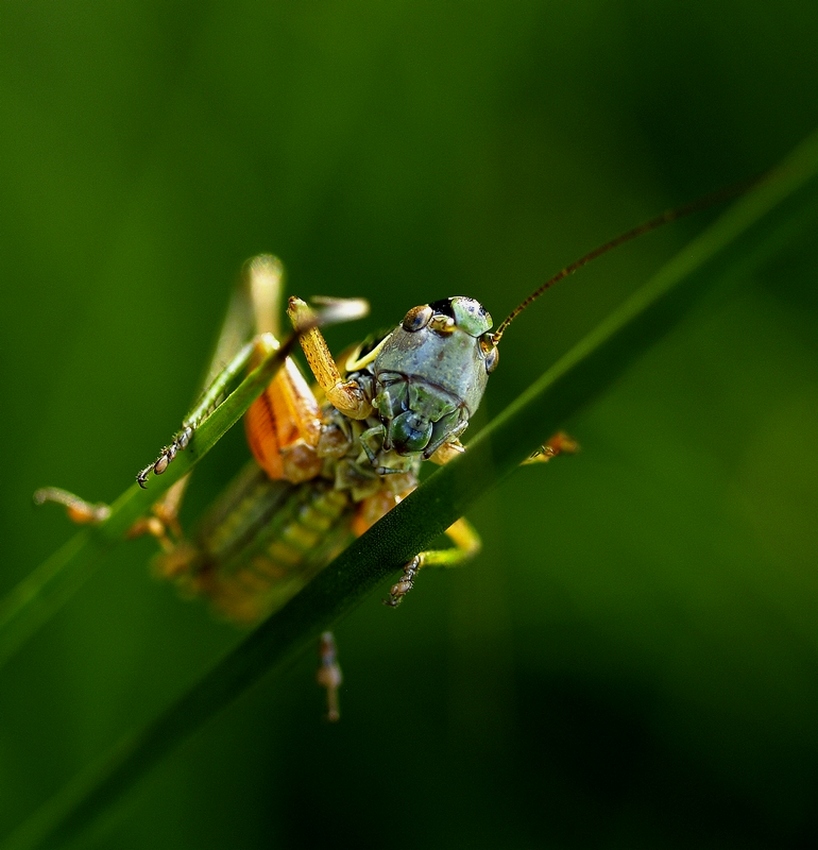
column 404, row 584
column 559, row 444
column 180, row 442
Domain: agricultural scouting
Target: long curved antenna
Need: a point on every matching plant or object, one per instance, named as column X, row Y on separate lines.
column 666, row 217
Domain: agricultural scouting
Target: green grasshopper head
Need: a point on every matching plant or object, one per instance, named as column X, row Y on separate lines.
column 431, row 373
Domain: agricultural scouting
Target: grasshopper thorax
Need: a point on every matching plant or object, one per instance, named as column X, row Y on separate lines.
column 431, row 372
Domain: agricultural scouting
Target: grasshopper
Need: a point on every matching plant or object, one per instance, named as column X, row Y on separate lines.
column 329, row 462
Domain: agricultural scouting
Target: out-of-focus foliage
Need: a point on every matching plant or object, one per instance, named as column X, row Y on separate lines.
column 632, row 661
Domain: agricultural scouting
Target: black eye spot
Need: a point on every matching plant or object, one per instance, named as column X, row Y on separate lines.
column 444, row 307
column 417, row 318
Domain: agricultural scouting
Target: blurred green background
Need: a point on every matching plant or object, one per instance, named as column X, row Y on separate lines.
column 632, row 660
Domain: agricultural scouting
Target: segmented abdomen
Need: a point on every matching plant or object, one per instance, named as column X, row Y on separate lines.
column 264, row 540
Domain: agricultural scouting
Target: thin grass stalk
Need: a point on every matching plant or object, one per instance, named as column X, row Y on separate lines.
column 39, row 596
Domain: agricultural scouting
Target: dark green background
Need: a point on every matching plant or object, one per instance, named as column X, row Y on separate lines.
column 632, row 660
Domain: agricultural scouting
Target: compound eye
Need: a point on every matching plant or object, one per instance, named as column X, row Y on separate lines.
column 417, row 318
column 491, row 354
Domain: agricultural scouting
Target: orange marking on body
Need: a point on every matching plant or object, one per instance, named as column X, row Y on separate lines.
column 283, row 426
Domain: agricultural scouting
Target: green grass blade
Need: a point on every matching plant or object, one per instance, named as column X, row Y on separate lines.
column 41, row 594
column 574, row 382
